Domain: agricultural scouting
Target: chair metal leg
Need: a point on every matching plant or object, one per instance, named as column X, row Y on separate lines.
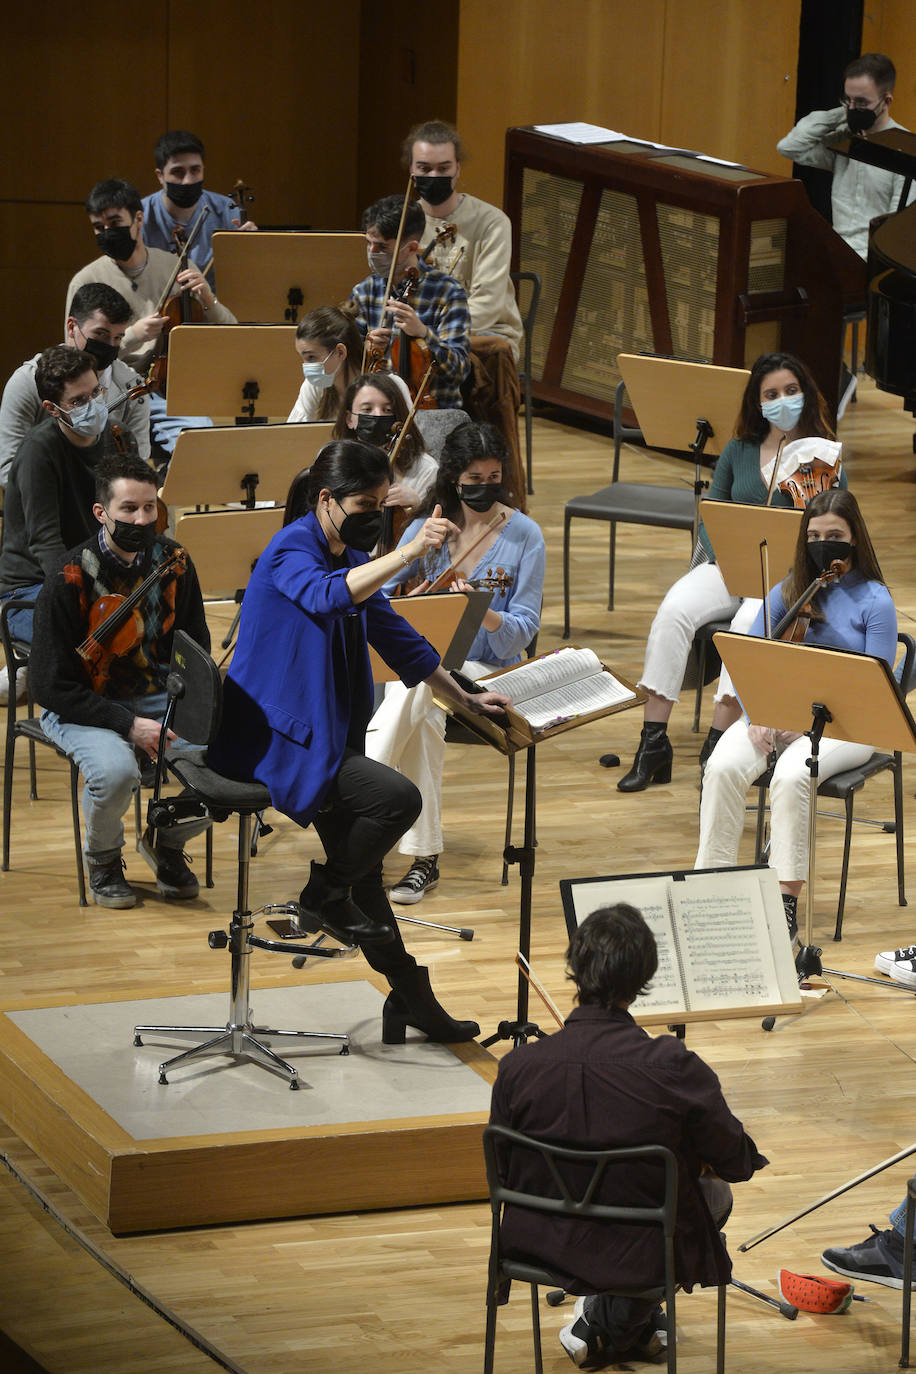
column 898, row 827
column 8, row 793
column 566, row 523
column 701, row 679
column 489, row 1340
column 77, row 835
column 208, row 851
column 536, row 1331
column 528, row 448
column 720, row 1330
column 847, row 837
column 612, row 557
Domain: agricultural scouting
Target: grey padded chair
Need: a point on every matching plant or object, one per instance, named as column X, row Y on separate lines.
column 576, row 1200
column 631, row 503
column 436, row 425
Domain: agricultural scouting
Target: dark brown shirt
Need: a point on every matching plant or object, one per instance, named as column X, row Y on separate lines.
column 603, row 1082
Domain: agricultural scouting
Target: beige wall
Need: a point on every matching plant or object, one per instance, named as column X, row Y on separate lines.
column 889, row 26
column 702, row 74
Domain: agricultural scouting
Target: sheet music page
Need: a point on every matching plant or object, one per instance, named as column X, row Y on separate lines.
column 724, row 941
column 579, row 132
column 569, row 683
column 649, row 896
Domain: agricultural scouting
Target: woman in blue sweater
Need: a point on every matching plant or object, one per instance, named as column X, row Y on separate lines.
column 408, row 730
column 855, row 612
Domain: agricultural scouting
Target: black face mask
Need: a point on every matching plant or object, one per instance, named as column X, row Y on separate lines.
column 374, row 429
column 116, row 242
column 480, row 496
column 361, row 529
column 184, row 194
column 103, row 353
column 860, row 121
column 133, row 538
column 434, row 190
column 822, row 552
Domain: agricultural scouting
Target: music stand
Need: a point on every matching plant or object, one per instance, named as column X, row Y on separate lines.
column 214, row 467
column 736, row 533
column 248, row 373
column 225, row 545
column 666, row 394
column 817, row 692
column 441, row 619
column 274, row 278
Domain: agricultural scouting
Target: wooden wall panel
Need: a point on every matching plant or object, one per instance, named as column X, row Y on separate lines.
column 729, row 79
column 889, row 26
column 539, row 62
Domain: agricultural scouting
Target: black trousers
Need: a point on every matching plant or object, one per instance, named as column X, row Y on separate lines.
column 365, row 813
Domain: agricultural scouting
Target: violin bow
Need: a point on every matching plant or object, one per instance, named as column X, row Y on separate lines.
column 772, row 484
column 392, row 269
column 525, row 970
column 491, row 524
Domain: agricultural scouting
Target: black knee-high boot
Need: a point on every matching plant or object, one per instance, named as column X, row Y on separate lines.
column 653, row 758
column 709, row 744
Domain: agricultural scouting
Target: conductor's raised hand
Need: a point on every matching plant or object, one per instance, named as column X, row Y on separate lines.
column 432, row 534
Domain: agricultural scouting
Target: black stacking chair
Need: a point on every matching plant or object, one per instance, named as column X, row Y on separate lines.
column 575, row 1199
column 195, row 707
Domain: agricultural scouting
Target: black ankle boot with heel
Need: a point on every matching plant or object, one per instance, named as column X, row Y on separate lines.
column 653, row 759
column 412, row 1002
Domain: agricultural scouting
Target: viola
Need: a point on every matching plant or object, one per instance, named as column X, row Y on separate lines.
column 809, row 479
column 116, row 625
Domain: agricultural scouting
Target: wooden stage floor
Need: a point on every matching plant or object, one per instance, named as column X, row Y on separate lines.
column 826, row 1096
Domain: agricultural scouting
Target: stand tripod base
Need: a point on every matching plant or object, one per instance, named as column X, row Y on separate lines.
column 238, row 1040
column 517, row 1031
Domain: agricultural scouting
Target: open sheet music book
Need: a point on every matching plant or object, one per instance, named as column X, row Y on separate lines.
column 723, row 946
column 550, row 694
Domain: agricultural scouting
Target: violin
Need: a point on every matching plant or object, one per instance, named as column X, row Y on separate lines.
column 116, row 625
column 809, row 479
column 793, row 626
column 407, row 357
column 241, row 195
column 178, row 308
column 395, row 518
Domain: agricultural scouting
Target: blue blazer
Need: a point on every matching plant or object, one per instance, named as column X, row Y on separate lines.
column 291, row 699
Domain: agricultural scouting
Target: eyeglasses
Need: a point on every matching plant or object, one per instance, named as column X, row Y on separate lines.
column 80, row 400
column 858, row 102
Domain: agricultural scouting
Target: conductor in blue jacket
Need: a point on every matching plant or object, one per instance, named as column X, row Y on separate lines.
column 299, row 696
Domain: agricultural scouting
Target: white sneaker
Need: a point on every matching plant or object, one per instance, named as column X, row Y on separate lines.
column 21, row 685
column 849, row 383
column 899, row 964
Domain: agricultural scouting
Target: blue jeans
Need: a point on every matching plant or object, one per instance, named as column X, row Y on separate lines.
column 897, row 1217
column 165, row 429
column 20, row 622
column 111, row 775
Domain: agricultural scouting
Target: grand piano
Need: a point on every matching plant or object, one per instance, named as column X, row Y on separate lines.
column 890, row 348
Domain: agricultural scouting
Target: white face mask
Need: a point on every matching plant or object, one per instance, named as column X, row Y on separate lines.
column 784, row 412
column 87, row 420
column 315, row 373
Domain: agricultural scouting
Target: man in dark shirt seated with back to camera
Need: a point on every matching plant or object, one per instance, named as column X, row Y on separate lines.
column 601, row 1083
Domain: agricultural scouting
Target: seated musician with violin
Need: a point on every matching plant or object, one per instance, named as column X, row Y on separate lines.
column 51, row 488
column 159, row 291
column 104, row 624
column 168, row 212
column 424, row 316
column 497, row 548
column 96, row 325
column 331, row 350
column 373, row 405
column 853, row 610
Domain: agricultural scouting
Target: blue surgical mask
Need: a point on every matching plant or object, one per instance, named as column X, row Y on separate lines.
column 785, row 412
column 87, row 420
column 315, row 373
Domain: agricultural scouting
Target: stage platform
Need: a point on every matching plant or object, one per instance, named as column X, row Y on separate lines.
column 225, row 1141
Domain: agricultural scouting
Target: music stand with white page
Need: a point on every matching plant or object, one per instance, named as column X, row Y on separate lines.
column 816, row 692
column 667, row 395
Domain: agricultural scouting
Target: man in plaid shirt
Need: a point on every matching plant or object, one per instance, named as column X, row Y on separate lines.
column 436, row 314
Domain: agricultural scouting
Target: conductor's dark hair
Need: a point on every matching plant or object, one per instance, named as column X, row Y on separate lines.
column 113, row 194
column 113, row 466
column 385, row 216
column 59, row 365
column 813, row 421
column 95, row 295
column 344, row 467
column 874, row 64
column 834, row 501
column 463, row 444
column 612, row 957
column 174, row 142
column 433, row 131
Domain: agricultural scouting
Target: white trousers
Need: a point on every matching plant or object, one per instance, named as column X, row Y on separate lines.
column 732, row 767
column 742, row 621
column 697, row 597
column 407, row 732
